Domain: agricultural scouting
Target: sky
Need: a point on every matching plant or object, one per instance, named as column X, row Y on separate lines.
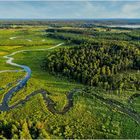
column 81, row 9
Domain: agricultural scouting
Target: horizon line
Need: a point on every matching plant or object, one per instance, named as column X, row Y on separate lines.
column 64, row 18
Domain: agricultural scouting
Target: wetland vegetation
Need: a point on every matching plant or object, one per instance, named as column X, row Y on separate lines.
column 85, row 81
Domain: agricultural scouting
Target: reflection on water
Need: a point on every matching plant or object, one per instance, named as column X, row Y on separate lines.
column 125, row 26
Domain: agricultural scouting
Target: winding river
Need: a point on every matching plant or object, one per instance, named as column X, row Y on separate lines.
column 50, row 104
column 4, row 106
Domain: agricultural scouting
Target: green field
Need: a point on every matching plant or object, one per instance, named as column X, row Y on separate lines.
column 88, row 118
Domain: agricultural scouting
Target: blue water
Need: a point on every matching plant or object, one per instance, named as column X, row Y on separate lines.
column 19, row 86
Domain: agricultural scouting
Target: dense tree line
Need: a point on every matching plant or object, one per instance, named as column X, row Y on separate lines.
column 87, row 39
column 58, row 127
column 127, row 36
column 95, row 65
column 24, row 129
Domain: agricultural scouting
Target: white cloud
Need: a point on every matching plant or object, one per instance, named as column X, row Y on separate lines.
column 69, row 9
column 131, row 10
column 113, row 9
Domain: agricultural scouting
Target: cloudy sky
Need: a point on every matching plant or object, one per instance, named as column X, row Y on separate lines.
column 70, row 9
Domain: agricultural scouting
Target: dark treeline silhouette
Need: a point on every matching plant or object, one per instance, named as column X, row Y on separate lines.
column 126, row 36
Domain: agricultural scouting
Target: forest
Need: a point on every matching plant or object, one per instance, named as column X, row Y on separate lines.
column 97, row 63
